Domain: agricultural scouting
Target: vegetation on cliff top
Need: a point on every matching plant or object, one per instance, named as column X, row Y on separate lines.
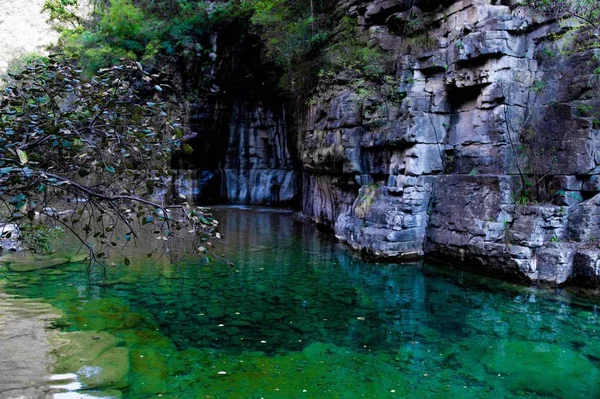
column 307, row 39
column 586, row 11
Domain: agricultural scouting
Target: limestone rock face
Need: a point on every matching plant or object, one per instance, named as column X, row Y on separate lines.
column 258, row 166
column 242, row 157
column 432, row 161
column 237, row 124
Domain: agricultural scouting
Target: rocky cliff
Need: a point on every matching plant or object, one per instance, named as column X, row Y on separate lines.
column 481, row 147
column 237, row 125
column 474, row 142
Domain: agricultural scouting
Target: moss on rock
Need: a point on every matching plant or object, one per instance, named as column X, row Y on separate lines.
column 95, row 358
column 543, row 368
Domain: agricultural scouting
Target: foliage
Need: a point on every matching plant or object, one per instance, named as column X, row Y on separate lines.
column 350, row 51
column 291, row 29
column 41, row 238
column 420, row 43
column 582, row 24
column 63, row 12
column 17, row 64
column 365, row 200
column 141, row 30
column 306, row 39
column 586, row 11
column 103, row 144
column 295, row 35
column 90, row 41
column 535, row 152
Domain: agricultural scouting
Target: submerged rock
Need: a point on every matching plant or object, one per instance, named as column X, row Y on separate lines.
column 94, row 358
column 9, row 234
column 27, row 261
column 108, row 370
column 543, row 369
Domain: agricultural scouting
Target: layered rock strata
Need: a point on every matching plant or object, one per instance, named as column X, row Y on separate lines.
column 244, row 158
column 258, row 166
column 487, row 98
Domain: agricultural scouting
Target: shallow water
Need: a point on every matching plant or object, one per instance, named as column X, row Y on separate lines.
column 297, row 316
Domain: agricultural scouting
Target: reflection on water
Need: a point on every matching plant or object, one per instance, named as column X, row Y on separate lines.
column 296, row 314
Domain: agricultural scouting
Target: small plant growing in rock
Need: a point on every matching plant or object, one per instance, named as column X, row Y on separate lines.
column 365, row 200
column 584, row 110
column 549, row 53
column 522, row 199
column 538, row 86
column 585, row 11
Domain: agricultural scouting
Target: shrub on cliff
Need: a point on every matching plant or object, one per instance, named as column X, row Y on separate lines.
column 294, row 33
column 586, row 11
column 139, row 30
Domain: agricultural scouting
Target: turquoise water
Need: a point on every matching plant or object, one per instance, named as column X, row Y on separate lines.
column 297, row 316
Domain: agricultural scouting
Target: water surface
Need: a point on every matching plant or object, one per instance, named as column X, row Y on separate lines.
column 296, row 315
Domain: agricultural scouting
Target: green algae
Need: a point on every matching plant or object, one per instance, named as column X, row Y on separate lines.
column 27, row 261
column 542, row 368
column 301, row 318
column 109, row 370
column 94, row 358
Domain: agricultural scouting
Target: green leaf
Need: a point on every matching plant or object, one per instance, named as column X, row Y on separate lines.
column 188, row 149
column 110, row 169
column 23, row 158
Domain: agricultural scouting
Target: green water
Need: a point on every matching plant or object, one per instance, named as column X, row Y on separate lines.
column 298, row 316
